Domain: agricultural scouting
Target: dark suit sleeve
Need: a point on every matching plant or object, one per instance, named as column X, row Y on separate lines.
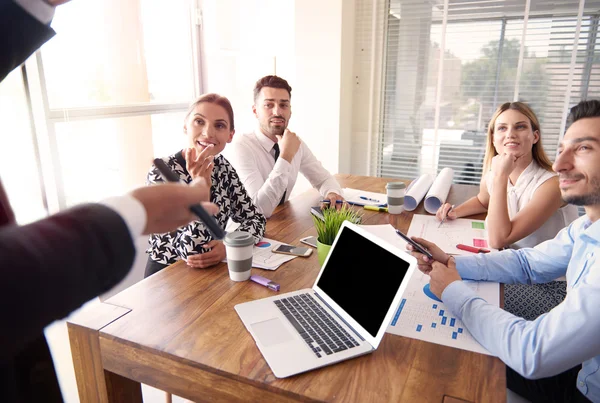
column 20, row 35
column 51, row 267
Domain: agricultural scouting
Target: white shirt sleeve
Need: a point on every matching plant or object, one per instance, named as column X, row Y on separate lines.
column 317, row 175
column 39, row 9
column 131, row 210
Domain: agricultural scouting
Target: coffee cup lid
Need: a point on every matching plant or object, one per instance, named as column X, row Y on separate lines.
column 238, row 238
column 396, row 185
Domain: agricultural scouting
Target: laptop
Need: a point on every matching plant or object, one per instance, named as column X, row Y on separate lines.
column 344, row 315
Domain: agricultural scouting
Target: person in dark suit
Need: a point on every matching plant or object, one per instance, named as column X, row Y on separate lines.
column 51, row 267
column 24, row 27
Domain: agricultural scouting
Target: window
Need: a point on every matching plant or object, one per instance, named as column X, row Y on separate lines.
column 446, row 70
column 119, row 101
column 18, row 154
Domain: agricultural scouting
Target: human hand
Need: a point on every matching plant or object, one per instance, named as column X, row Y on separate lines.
column 423, row 262
column 167, row 205
column 504, row 164
column 333, row 198
column 442, row 276
column 289, row 144
column 200, row 165
column 204, row 260
column 443, row 212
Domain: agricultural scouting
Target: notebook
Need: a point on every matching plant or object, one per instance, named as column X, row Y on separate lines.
column 344, row 315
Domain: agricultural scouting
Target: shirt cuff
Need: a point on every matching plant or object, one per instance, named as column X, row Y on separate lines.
column 456, row 295
column 282, row 166
column 39, row 9
column 131, row 210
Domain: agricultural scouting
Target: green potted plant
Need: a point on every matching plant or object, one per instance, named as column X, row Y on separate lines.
column 328, row 228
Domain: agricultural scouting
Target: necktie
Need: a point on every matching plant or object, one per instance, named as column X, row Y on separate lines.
column 276, row 148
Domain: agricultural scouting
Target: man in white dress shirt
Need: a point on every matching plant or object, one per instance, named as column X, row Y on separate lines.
column 269, row 158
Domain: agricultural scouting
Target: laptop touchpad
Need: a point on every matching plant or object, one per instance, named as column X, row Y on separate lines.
column 271, row 332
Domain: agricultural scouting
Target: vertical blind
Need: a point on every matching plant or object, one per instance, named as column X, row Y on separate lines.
column 448, row 64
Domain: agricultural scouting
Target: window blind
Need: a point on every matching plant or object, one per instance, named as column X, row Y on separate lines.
column 447, row 65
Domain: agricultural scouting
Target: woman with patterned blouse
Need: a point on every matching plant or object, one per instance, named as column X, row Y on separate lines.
column 208, row 127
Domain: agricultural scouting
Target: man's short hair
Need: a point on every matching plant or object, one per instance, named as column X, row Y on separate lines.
column 273, row 82
column 584, row 109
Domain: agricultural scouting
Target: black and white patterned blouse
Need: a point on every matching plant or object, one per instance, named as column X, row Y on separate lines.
column 226, row 191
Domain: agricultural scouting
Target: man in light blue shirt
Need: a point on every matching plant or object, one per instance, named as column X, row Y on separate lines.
column 557, row 356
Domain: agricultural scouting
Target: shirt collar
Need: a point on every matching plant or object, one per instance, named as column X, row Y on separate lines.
column 591, row 230
column 264, row 141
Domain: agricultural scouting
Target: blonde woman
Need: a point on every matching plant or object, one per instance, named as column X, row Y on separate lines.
column 520, row 194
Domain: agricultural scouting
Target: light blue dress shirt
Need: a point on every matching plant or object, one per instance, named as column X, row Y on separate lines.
column 556, row 341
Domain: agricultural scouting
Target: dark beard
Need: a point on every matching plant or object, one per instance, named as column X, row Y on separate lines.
column 589, row 199
column 584, row 200
column 274, row 131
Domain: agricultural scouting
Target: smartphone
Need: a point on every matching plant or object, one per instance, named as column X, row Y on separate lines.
column 317, row 212
column 293, row 250
column 418, row 247
column 310, row 240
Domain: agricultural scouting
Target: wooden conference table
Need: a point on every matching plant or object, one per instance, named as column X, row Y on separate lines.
column 177, row 331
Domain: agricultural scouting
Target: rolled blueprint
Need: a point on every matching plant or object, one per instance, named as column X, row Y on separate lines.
column 438, row 193
column 416, row 191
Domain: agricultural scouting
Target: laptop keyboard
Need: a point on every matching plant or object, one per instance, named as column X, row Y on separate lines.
column 318, row 329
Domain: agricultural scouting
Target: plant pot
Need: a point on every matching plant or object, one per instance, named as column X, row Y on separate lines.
column 322, row 251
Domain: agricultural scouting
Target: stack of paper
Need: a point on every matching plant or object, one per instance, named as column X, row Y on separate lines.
column 386, row 232
column 263, row 258
column 421, row 315
column 363, row 198
column 453, row 232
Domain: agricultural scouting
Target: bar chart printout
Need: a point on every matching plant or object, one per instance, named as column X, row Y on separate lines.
column 421, row 315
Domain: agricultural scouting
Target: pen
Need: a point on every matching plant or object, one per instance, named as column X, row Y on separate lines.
column 265, row 281
column 369, row 199
column 471, row 248
column 207, row 219
column 376, row 208
column 444, row 219
column 327, row 201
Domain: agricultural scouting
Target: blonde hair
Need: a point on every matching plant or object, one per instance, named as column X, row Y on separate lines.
column 539, row 155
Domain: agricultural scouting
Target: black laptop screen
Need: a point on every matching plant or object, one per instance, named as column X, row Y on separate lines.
column 362, row 278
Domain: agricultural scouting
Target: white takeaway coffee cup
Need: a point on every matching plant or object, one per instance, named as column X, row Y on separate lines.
column 395, row 197
column 239, row 246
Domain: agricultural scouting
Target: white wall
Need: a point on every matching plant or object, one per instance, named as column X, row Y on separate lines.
column 366, row 82
column 245, row 40
column 310, row 43
column 322, row 101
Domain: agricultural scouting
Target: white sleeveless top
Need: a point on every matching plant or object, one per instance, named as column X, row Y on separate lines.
column 519, row 194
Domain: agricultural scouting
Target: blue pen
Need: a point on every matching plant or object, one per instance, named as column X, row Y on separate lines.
column 327, row 201
column 369, row 199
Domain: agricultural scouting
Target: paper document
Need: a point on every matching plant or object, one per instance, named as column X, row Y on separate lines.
column 388, row 233
column 422, row 316
column 416, row 191
column 451, row 233
column 438, row 193
column 263, row 258
column 353, row 196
